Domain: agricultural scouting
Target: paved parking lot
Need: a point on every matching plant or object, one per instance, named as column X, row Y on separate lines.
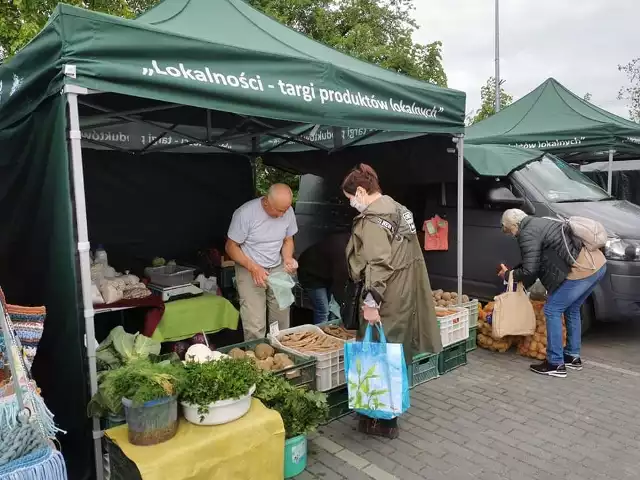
column 495, row 420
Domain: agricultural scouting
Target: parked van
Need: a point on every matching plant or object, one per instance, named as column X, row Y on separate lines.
column 547, row 187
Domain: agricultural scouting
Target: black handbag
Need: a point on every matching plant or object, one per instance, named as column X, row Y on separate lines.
column 350, row 306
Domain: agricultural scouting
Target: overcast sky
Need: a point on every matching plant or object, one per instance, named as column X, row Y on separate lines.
column 578, row 42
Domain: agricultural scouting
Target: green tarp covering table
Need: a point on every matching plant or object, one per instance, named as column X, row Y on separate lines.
column 184, row 318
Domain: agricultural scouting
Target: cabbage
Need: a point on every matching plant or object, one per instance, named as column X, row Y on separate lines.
column 120, row 348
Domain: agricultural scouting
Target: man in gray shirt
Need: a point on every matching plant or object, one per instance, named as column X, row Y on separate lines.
column 260, row 242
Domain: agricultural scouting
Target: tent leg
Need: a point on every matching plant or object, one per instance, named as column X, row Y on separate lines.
column 460, row 211
column 610, row 176
column 85, row 264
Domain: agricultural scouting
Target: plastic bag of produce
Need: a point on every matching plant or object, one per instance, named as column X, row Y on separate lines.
column 377, row 379
column 513, row 313
column 282, row 285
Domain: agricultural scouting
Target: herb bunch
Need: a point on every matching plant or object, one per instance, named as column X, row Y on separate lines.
column 302, row 411
column 140, row 381
column 224, row 379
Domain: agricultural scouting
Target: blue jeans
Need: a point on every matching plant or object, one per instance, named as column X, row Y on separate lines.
column 320, row 299
column 568, row 299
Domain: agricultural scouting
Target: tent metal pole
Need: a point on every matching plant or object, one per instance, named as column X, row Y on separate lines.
column 460, row 210
column 75, row 140
column 610, row 176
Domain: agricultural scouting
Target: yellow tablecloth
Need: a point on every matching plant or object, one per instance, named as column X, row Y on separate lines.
column 251, row 448
column 184, row 318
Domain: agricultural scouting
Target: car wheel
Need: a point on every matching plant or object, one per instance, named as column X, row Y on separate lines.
column 587, row 315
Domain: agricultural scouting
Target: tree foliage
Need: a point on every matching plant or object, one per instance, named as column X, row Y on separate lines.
column 488, row 97
column 631, row 93
column 21, row 20
column 377, row 31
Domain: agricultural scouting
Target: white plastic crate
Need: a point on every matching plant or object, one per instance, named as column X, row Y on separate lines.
column 329, row 366
column 455, row 327
column 473, row 307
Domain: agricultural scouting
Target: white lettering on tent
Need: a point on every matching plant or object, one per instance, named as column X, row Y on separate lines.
column 306, row 92
column 98, row 136
column 547, row 144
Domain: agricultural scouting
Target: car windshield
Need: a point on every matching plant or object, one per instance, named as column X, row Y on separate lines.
column 559, row 182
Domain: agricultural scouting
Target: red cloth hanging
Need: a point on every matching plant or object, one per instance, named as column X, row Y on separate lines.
column 436, row 234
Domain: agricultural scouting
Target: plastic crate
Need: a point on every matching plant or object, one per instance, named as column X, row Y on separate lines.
column 338, row 401
column 424, row 367
column 170, row 275
column 329, row 366
column 472, row 340
column 339, row 323
column 455, row 327
column 473, row 307
column 302, row 374
column 452, row 357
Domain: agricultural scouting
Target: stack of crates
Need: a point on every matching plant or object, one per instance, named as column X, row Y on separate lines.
column 454, row 331
column 473, row 306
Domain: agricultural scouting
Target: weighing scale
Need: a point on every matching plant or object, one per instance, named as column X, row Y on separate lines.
column 177, row 292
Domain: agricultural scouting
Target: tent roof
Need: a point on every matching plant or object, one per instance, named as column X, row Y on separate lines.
column 553, row 119
column 224, row 56
column 498, row 160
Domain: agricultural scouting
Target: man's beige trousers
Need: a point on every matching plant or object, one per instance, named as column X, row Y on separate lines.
column 254, row 303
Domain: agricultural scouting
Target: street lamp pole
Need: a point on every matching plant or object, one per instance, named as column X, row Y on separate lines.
column 497, row 59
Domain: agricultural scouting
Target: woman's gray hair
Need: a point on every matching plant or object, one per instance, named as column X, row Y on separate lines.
column 513, row 217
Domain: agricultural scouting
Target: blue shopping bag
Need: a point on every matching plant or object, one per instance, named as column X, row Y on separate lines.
column 377, row 378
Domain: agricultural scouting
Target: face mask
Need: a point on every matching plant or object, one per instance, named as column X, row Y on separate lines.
column 357, row 204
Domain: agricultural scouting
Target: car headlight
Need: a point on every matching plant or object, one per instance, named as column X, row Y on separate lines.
column 619, row 249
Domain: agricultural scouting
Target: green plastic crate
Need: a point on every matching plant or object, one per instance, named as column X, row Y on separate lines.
column 338, row 400
column 424, row 367
column 452, row 357
column 306, row 366
column 472, row 340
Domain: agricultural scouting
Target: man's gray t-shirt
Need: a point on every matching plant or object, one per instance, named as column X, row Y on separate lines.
column 259, row 235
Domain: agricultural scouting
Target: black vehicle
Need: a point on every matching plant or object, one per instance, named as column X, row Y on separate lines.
column 547, row 187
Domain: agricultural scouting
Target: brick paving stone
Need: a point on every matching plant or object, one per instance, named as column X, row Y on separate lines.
column 494, row 420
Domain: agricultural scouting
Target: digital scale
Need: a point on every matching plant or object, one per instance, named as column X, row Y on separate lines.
column 176, row 292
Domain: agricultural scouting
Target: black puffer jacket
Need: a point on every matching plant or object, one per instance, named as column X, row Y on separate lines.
column 544, row 253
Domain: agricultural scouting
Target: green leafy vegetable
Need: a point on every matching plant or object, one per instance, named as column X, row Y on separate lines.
column 301, row 411
column 121, row 347
column 205, row 383
column 140, row 381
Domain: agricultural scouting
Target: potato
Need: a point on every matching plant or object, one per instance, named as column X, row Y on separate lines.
column 437, row 296
column 266, row 364
column 446, row 296
column 263, row 351
column 533, row 346
column 282, row 364
column 454, row 295
column 250, row 355
column 237, row 353
column 441, row 303
column 465, row 299
column 279, row 357
column 541, row 356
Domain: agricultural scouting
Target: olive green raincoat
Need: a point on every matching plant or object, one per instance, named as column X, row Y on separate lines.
column 384, row 252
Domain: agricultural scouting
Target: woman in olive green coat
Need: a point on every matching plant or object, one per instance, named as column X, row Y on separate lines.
column 385, row 254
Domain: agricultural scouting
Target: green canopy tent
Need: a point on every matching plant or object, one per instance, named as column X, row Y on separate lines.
column 498, row 160
column 553, row 119
column 211, row 76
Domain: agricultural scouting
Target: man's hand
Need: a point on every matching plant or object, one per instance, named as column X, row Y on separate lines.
column 290, row 265
column 259, row 275
column 371, row 314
